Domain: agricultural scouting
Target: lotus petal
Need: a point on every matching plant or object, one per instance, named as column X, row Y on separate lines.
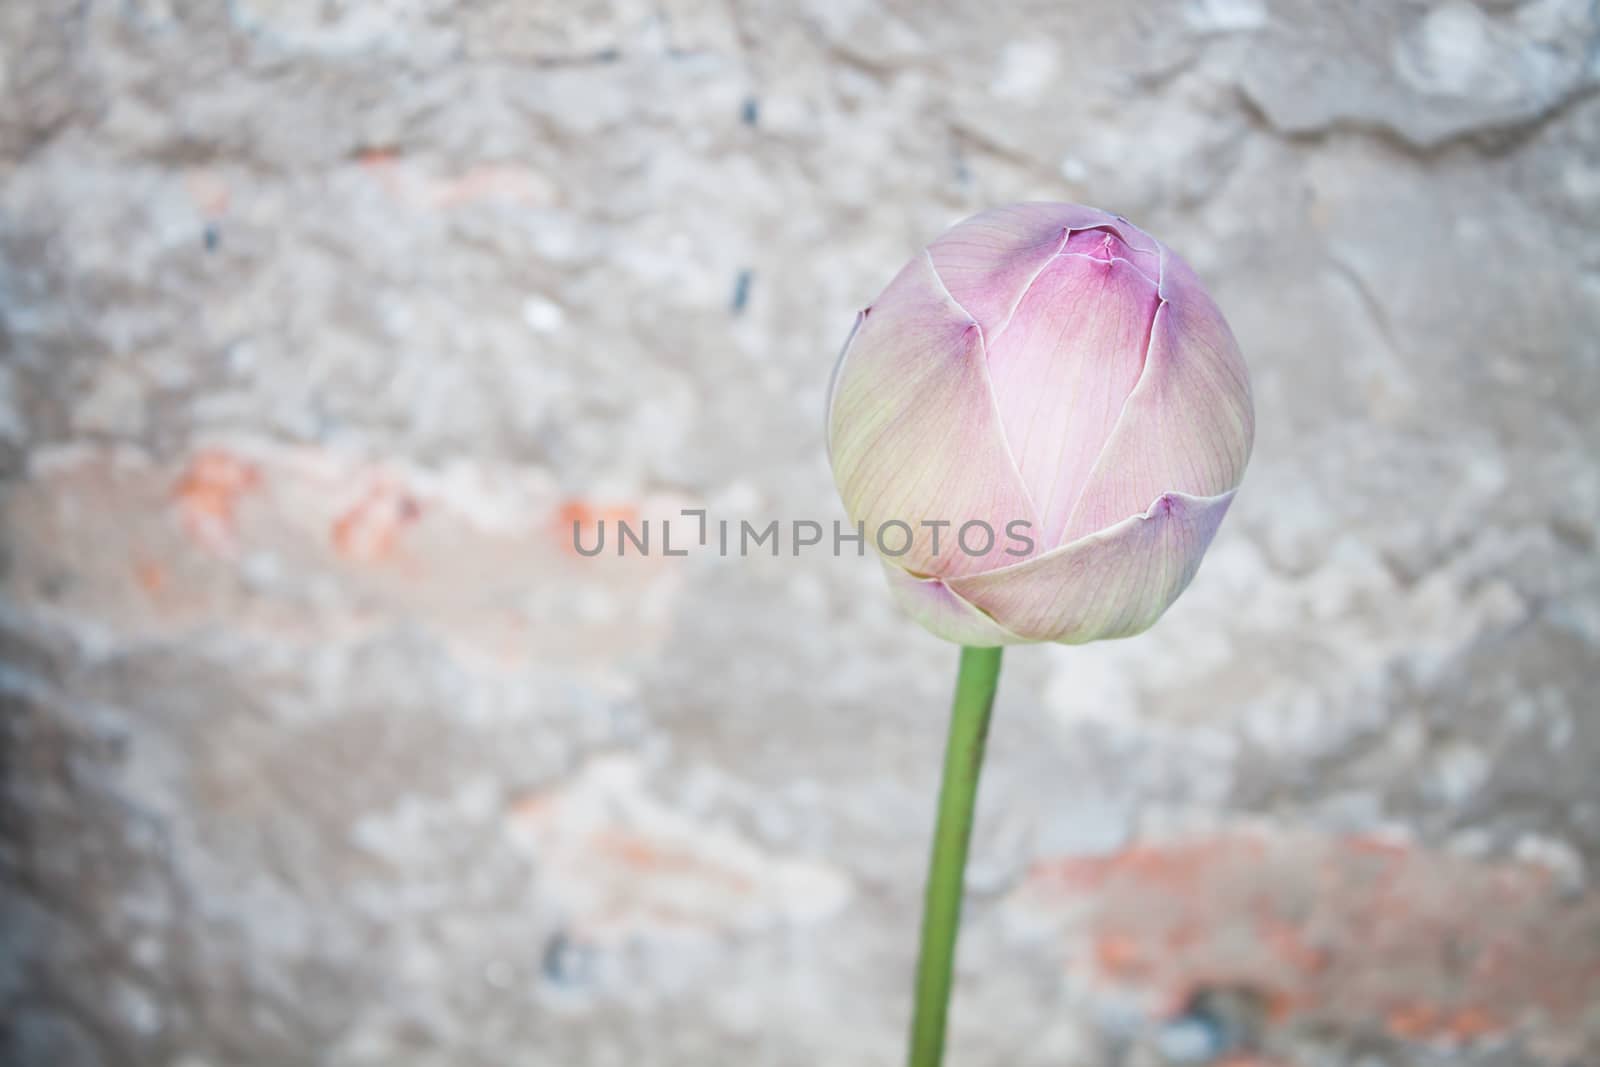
column 1187, row 426
column 1063, row 369
column 931, row 602
column 914, row 431
column 988, row 261
column 1114, row 583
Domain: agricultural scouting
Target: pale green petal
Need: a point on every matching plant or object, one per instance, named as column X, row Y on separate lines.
column 913, row 430
column 943, row 613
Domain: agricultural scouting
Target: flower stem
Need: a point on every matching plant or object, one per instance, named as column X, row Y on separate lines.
column 963, row 760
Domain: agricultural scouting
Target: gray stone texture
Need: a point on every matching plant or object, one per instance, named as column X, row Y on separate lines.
column 321, row 321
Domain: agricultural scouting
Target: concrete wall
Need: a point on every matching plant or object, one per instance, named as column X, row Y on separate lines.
column 320, row 322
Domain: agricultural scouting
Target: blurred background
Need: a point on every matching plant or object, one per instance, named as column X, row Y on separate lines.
column 322, row 321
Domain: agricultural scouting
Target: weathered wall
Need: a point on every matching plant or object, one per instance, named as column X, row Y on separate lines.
column 321, row 321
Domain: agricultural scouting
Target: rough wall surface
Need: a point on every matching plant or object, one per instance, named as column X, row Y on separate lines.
column 320, row 323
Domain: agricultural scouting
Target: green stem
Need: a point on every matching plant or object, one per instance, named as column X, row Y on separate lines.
column 963, row 760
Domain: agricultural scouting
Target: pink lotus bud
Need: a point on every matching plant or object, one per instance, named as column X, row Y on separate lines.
column 1056, row 376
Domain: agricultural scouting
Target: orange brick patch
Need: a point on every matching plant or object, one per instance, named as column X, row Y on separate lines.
column 1420, row 944
column 207, row 496
column 370, row 530
column 587, row 516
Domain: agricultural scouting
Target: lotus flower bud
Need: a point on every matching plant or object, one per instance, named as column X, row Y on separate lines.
column 1055, row 376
